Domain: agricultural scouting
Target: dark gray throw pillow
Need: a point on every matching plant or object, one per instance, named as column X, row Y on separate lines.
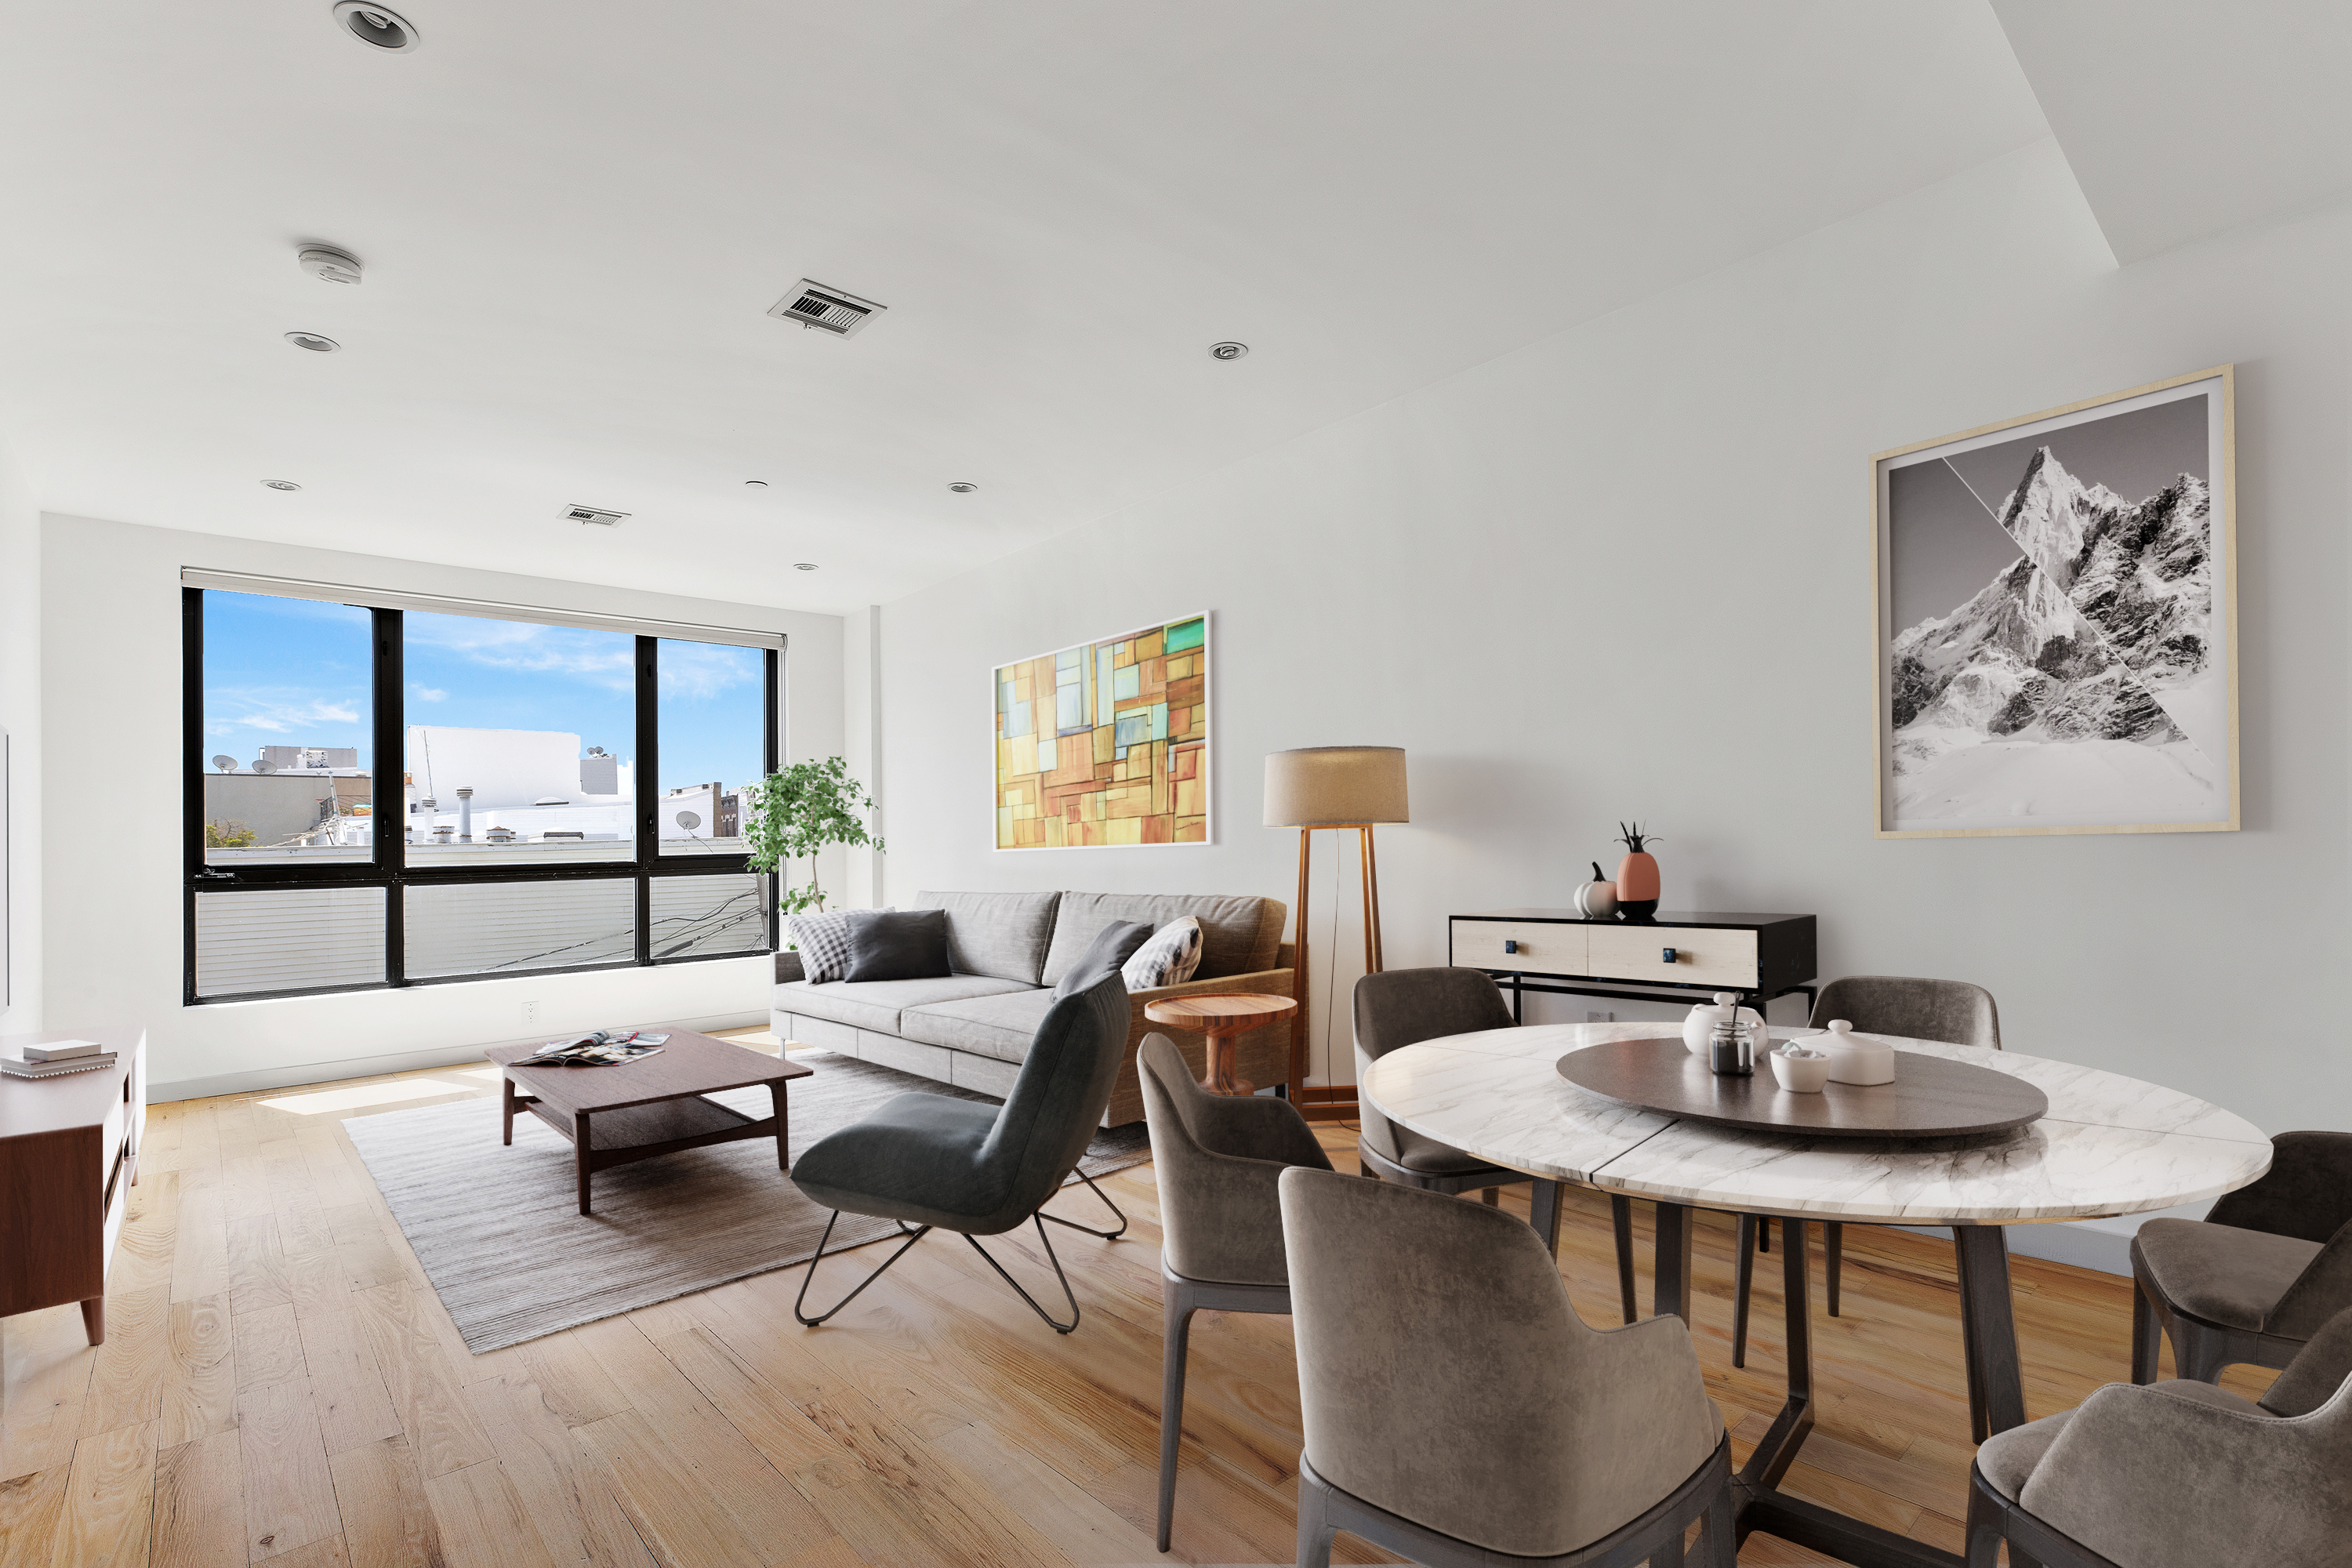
column 898, row 944
column 1112, row 948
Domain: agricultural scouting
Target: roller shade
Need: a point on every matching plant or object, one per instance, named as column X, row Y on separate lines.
column 488, row 609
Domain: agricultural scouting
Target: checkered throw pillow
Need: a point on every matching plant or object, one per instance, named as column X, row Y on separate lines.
column 1168, row 958
column 824, row 943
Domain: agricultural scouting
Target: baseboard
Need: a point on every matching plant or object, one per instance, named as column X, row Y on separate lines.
column 297, row 1074
column 1325, row 1101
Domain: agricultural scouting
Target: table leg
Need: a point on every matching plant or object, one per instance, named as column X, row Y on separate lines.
column 784, row 1129
column 1620, row 1221
column 580, row 1142
column 93, row 1319
column 1989, row 1324
column 1671, row 1280
column 1221, row 1079
column 506, row 1096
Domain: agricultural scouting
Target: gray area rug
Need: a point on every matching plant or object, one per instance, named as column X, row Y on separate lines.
column 500, row 1236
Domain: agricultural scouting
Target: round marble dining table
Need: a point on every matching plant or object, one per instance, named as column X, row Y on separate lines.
column 2110, row 1145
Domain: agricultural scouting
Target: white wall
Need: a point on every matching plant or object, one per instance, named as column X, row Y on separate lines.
column 1624, row 573
column 110, row 672
column 20, row 716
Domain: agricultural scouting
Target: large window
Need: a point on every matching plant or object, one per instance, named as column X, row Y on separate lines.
column 555, row 798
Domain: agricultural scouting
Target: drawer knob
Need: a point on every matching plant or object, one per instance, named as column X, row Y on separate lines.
column 1670, row 956
column 1510, row 947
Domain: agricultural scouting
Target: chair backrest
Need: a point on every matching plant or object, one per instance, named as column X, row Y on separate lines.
column 1215, row 1160
column 2319, row 1370
column 1443, row 1377
column 1399, row 1007
column 1056, row 1102
column 1949, row 1010
column 2306, row 1194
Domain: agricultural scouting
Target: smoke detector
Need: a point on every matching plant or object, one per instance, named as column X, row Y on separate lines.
column 313, row 341
column 826, row 309
column 373, row 25
column 594, row 516
column 329, row 265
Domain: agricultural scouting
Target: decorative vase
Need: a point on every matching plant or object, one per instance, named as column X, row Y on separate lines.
column 1596, row 900
column 1699, row 1027
column 1855, row 1059
column 1637, row 875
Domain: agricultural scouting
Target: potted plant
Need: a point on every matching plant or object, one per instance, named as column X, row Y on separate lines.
column 798, row 811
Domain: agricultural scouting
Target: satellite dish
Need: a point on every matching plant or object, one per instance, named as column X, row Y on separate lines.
column 265, row 767
column 689, row 820
column 227, row 764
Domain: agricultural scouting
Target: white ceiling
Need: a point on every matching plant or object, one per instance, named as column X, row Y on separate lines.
column 2183, row 119
column 575, row 215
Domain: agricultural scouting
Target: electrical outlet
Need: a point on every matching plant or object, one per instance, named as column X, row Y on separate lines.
column 530, row 1015
column 1601, row 1017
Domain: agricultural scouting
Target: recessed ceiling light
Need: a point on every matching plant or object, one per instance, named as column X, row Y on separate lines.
column 1227, row 351
column 280, row 485
column 313, row 341
column 755, row 484
column 964, row 487
column 803, row 566
column 373, row 25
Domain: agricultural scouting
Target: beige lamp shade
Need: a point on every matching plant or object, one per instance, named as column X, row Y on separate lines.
column 1329, row 786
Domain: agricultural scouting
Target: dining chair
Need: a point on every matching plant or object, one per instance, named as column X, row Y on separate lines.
column 2177, row 1475
column 1949, row 1010
column 1216, row 1158
column 932, row 1163
column 1458, row 1412
column 2254, row 1279
column 1400, row 1007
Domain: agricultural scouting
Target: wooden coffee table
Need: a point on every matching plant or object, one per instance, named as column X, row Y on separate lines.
column 616, row 1115
column 1224, row 1018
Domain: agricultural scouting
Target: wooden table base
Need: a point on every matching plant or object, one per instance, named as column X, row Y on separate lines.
column 1222, row 1018
column 1222, row 1047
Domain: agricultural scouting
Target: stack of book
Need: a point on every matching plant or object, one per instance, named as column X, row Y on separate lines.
column 57, row 1058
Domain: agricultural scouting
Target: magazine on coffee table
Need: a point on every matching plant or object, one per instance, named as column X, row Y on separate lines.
column 603, row 1048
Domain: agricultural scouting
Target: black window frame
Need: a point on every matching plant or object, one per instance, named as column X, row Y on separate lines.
column 387, row 867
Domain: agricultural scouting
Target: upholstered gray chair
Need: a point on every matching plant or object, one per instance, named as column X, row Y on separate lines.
column 1458, row 1412
column 1949, row 1010
column 1217, row 1158
column 1401, row 1007
column 932, row 1163
column 2178, row 1475
column 2254, row 1279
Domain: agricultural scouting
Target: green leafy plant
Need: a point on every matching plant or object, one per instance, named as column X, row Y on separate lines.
column 228, row 836
column 797, row 812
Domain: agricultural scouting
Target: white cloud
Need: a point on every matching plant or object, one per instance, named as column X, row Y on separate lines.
column 426, row 693
column 605, row 658
column 273, row 711
column 700, row 669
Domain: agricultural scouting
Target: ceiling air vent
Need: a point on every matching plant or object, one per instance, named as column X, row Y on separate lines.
column 594, row 516
column 828, row 310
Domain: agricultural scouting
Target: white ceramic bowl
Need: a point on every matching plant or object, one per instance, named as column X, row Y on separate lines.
column 1800, row 1075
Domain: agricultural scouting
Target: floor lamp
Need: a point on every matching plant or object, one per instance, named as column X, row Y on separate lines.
column 1333, row 786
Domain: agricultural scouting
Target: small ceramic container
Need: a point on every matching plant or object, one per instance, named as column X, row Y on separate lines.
column 1854, row 1058
column 1699, row 1027
column 1801, row 1071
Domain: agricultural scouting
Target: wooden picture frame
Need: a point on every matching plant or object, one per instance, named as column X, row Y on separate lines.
column 2088, row 683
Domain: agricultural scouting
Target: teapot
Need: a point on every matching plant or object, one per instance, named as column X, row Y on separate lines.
column 1699, row 1027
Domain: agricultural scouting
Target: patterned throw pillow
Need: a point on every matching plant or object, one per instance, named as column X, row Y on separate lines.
column 1168, row 959
column 824, row 943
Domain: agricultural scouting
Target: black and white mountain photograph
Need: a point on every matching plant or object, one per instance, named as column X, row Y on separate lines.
column 2055, row 600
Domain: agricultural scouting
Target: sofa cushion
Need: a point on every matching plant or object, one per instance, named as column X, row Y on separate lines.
column 876, row 1004
column 1002, row 935
column 999, row 1026
column 1241, row 934
column 1106, row 955
column 898, row 944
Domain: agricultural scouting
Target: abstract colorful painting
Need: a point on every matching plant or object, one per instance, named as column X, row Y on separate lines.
column 1107, row 743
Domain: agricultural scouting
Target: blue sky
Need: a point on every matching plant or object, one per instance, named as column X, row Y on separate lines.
column 295, row 672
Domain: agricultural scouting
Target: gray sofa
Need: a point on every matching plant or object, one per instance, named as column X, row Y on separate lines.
column 972, row 1027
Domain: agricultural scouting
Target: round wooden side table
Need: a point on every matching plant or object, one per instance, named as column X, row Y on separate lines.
column 1224, row 1019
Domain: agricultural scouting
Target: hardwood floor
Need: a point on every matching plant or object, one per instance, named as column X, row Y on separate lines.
column 280, row 1385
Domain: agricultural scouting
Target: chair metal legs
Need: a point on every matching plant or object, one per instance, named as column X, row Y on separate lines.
column 915, row 1232
column 1183, row 1297
column 806, row 1279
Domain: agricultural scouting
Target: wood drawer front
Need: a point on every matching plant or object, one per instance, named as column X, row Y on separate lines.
column 1543, row 948
column 1701, row 957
